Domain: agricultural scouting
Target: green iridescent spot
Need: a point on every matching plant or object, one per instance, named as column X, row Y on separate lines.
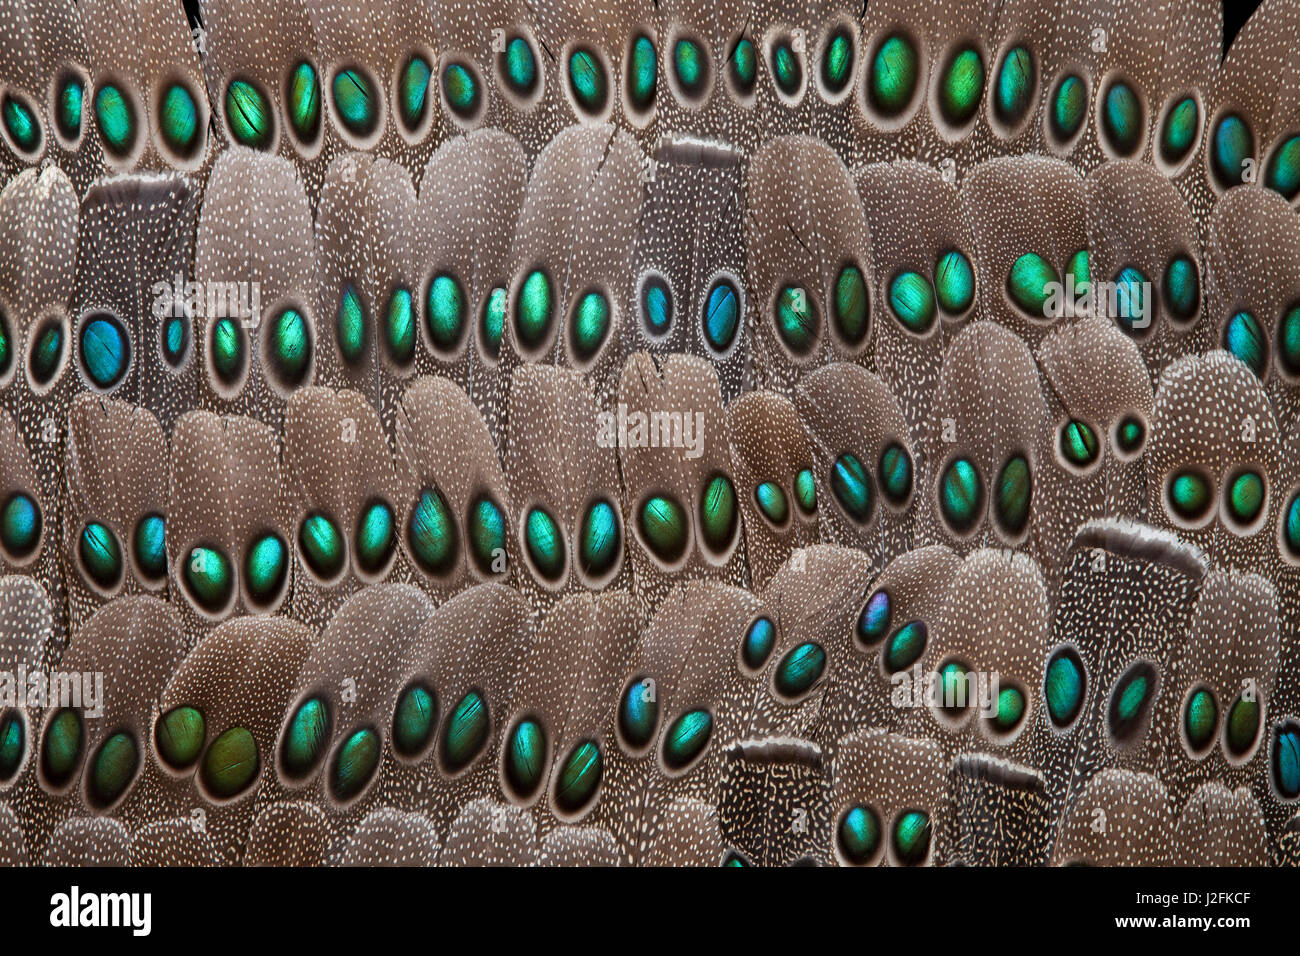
column 1064, row 686
column 350, row 325
column 6, row 345
column 105, row 351
column 601, row 541
column 758, row 643
column 149, row 544
column 858, row 835
column 1130, row 435
column 851, row 305
column 64, row 738
column 656, row 305
column 954, row 282
column 1121, row 119
column 642, row 73
column 1015, row 492
column 579, row 777
column 519, row 66
column 805, row 491
column 954, row 684
column 638, row 712
column 12, row 744
column 178, row 119
column 799, row 669
column 413, row 91
column 265, row 568
column 587, row 81
column 1232, row 148
column 1030, row 282
column 321, row 543
column 248, row 114
column 1244, row 338
column 1078, row 443
column 787, row 70
column 686, row 738
column 1283, row 172
column 101, row 558
column 460, row 87
column 894, row 71
column 1243, row 725
column 446, row 312
column 487, row 536
column 837, row 61
column 306, row 737
column 533, row 309
column 1286, row 760
column 544, row 543
column 1291, row 526
column 690, row 64
column 1011, row 708
column 354, row 98
column 906, row 646
column 399, row 327
column 1246, row 497
column 895, row 473
column 1288, row 341
column 355, row 764
column 376, row 537
column 175, row 342
column 432, row 533
column 663, row 527
column 1078, row 268
column 589, row 325
column 231, row 763
column 911, row 299
column 209, row 578
column 718, row 513
column 466, row 731
column 1015, row 86
column 771, row 501
column 20, row 123
column 226, row 345
column 47, row 352
column 797, row 320
column 525, row 758
column 1132, row 306
column 1200, row 718
column 290, row 347
column 414, row 720
column 873, row 622
column 1189, row 495
column 1179, row 133
column 493, row 321
column 68, row 106
column 1182, row 289
column 179, row 736
column 1130, row 699
column 113, row 768
column 962, row 86
column 912, row 837
column 961, row 494
column 1069, row 106
column 742, row 65
column 851, row 486
column 20, row 525
column 721, row 315
column 115, row 118
column 303, row 101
